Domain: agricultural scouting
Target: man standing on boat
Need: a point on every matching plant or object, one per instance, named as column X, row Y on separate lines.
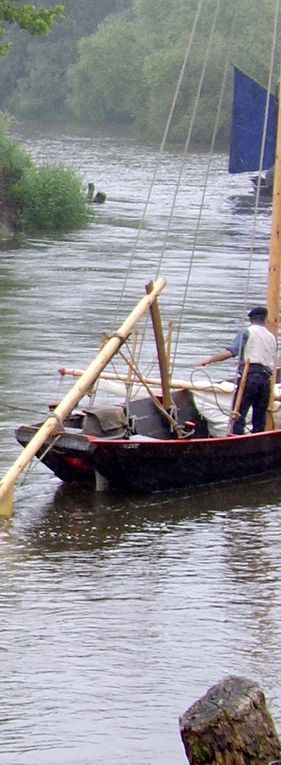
column 258, row 346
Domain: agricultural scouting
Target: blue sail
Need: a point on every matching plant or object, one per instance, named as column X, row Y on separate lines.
column 248, row 115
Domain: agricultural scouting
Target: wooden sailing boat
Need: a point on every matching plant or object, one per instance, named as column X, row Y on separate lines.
column 161, row 441
column 149, row 450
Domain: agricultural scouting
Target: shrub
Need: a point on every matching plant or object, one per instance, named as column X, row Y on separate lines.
column 14, row 161
column 51, row 198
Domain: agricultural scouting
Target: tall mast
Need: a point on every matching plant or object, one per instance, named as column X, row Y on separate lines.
column 274, row 268
column 161, row 351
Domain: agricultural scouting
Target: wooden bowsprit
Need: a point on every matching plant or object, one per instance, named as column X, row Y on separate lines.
column 73, row 397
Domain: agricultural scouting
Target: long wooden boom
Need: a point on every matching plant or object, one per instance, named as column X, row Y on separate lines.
column 74, row 395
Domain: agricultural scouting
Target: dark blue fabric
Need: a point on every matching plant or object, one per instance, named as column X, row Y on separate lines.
column 237, row 344
column 256, row 394
column 248, row 114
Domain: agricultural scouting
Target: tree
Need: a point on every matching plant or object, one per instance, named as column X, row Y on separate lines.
column 43, row 90
column 38, row 21
column 107, row 83
column 119, row 61
column 33, row 77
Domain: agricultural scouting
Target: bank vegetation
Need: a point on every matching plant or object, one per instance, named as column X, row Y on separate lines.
column 36, row 198
column 117, row 62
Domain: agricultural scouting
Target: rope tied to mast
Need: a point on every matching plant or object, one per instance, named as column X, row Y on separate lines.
column 119, row 336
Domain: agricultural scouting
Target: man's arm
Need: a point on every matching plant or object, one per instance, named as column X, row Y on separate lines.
column 233, row 349
column 220, row 356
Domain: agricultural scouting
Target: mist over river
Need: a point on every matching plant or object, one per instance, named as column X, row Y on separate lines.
column 117, row 613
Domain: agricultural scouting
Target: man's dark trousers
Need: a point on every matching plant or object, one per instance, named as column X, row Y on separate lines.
column 256, row 394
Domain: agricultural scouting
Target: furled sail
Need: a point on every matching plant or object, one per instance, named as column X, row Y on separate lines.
column 247, row 126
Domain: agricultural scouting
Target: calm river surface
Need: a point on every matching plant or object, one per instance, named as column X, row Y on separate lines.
column 118, row 613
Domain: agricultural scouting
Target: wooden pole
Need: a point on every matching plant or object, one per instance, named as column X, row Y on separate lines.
column 274, row 267
column 237, row 403
column 161, row 352
column 130, row 379
column 73, row 397
column 169, row 343
column 174, row 425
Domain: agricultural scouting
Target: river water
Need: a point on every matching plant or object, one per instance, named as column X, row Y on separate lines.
column 118, row 613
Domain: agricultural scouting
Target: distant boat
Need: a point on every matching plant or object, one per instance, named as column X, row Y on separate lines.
column 262, row 187
column 252, row 142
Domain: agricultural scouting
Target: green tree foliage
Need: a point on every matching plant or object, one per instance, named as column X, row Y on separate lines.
column 107, row 83
column 38, row 21
column 113, row 61
column 43, row 91
column 243, row 39
column 14, row 161
column 33, row 82
column 128, row 69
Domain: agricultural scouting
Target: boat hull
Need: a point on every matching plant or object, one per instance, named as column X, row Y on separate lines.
column 148, row 465
column 185, row 464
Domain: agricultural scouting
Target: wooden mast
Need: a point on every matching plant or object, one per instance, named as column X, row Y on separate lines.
column 273, row 282
column 161, row 351
column 274, row 267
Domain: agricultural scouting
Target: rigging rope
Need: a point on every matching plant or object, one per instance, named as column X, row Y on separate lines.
column 162, row 146
column 207, row 174
column 185, row 154
column 269, row 86
column 186, row 147
column 257, row 197
column 200, row 9
column 192, row 121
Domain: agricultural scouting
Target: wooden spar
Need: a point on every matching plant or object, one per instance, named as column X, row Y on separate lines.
column 169, row 343
column 241, row 389
column 161, row 352
column 155, row 382
column 173, row 423
column 175, row 383
column 73, row 397
column 130, row 377
column 274, row 267
column 273, row 281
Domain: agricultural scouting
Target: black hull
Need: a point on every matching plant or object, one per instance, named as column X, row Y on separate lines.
column 264, row 191
column 159, row 465
column 186, row 464
column 68, row 456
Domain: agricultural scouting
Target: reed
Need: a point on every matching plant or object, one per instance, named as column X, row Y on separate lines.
column 52, row 199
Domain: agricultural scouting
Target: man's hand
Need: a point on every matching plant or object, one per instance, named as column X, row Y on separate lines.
column 202, row 362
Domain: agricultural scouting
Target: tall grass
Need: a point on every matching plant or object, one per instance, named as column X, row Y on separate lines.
column 43, row 198
column 52, row 199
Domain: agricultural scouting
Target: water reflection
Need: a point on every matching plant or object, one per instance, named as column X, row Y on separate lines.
column 244, row 204
column 120, row 612
column 78, row 519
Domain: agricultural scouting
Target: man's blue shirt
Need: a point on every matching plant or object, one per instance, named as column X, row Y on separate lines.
column 237, row 345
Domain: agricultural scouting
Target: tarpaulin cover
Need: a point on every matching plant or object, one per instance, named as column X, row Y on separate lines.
column 248, row 116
